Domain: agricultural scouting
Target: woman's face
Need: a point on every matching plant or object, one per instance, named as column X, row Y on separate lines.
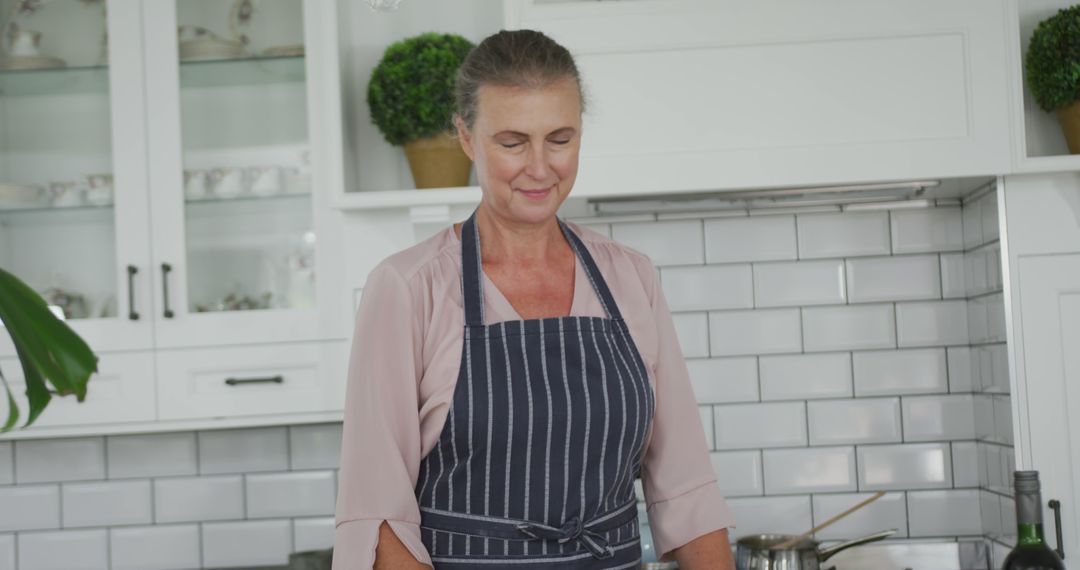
column 524, row 143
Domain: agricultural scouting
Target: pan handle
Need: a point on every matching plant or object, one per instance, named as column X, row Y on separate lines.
column 825, row 553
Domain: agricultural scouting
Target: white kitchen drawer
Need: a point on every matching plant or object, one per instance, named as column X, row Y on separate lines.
column 251, row 380
column 121, row 391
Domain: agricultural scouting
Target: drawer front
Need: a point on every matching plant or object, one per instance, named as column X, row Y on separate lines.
column 121, row 391
column 246, row 381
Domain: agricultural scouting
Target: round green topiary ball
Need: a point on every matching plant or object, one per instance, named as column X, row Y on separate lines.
column 411, row 92
column 1052, row 62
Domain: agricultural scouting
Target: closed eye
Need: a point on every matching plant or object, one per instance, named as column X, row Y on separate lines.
column 567, row 141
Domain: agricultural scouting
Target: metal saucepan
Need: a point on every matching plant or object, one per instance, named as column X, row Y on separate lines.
column 758, row 552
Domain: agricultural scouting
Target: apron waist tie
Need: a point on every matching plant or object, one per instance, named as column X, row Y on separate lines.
column 592, row 533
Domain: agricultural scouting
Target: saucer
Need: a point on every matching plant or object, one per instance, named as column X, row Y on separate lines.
column 284, row 51
column 211, row 48
column 31, row 62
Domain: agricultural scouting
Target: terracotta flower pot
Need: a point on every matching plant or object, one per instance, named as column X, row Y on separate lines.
column 1069, row 117
column 438, row 162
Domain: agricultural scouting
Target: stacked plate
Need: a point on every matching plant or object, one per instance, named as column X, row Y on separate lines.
column 30, row 62
column 211, row 48
column 20, row 195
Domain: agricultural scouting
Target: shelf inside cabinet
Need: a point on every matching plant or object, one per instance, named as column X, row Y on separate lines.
column 242, row 71
column 408, row 198
column 54, row 81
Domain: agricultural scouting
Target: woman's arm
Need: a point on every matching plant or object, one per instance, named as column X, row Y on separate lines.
column 391, row 554
column 707, row 552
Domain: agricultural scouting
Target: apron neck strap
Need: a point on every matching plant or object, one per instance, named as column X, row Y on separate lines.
column 472, row 272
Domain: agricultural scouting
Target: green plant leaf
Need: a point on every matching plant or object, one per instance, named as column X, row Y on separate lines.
column 13, row 409
column 1052, row 62
column 49, row 350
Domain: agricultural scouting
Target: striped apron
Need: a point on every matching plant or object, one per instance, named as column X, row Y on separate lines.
column 535, row 465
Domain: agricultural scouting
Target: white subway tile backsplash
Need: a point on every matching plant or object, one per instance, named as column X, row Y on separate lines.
column 7, row 463
column 953, row 285
column 805, row 376
column 1003, row 425
column 298, row 494
column 999, row 368
column 899, row 278
column 989, row 214
column 29, row 507
column 106, row 503
column 848, row 327
column 666, row 243
column 757, row 238
column 984, row 416
column 704, row 287
column 724, row 380
column 959, row 365
column 906, row 466
column 990, row 514
column 995, row 318
column 315, row 446
column 794, row 283
column 248, row 543
column 890, row 511
column 7, row 552
column 760, row 331
column 1008, row 516
column 314, row 534
column 151, row 455
column 871, row 420
column 64, row 550
column 780, row 424
column 706, row 413
column 243, row 450
column 899, row 372
column 977, row 271
column 62, row 459
column 965, row 462
column 772, row 515
column 927, row 230
column 978, row 324
column 738, row 473
column 810, row 470
column 972, row 222
column 944, row 513
column 692, row 330
column 931, row 323
column 162, row 547
column 841, row 235
column 936, row 418
column 188, row 499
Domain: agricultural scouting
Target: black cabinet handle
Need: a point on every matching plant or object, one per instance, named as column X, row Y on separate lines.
column 132, row 313
column 165, row 269
column 268, row 380
column 1055, row 505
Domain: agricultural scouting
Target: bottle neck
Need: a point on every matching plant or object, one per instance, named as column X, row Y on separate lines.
column 1029, row 534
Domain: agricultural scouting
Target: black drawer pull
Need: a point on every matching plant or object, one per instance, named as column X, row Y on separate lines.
column 267, row 380
column 132, row 313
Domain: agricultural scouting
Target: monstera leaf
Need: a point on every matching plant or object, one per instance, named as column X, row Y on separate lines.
column 55, row 360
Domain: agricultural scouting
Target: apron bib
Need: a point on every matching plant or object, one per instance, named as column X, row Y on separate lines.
column 536, row 462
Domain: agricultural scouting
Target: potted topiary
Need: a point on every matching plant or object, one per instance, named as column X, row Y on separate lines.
column 1052, row 67
column 411, row 100
column 49, row 351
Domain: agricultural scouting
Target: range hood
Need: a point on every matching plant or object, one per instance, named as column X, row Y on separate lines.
column 857, row 196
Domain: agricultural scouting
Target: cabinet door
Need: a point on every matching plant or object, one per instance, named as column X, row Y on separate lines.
column 73, row 203
column 242, row 159
column 1050, row 314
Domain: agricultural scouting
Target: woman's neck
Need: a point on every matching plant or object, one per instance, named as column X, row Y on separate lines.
column 506, row 242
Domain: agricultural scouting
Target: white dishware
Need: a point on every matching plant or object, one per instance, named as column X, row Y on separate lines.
column 20, row 195
column 68, row 194
column 21, row 41
column 227, row 181
column 197, row 43
column 284, row 51
column 99, row 189
column 195, row 184
column 264, row 180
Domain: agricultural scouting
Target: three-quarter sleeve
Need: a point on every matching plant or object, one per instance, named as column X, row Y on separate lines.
column 380, row 447
column 682, row 497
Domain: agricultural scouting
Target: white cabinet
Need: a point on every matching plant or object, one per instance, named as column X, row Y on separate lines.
column 1042, row 238
column 166, row 169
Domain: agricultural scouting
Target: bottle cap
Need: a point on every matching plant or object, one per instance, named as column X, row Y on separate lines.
column 1026, row 481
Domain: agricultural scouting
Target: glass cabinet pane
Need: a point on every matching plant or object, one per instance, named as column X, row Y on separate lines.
column 248, row 219
column 57, row 220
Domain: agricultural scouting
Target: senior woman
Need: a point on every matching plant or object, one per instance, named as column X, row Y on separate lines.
column 512, row 376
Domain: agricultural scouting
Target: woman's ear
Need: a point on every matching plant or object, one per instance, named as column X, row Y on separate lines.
column 464, row 136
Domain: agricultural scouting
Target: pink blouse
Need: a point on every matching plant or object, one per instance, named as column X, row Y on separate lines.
column 403, row 367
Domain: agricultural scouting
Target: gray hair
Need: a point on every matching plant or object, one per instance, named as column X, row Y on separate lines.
column 519, row 58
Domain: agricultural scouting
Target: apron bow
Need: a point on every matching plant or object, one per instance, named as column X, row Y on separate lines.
column 572, row 529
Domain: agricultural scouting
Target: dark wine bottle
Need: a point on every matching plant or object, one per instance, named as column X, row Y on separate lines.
column 1031, row 551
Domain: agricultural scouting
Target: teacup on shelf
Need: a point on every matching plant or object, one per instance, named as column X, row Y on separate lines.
column 100, row 189
column 227, row 182
column 264, row 180
column 195, row 184
column 67, row 194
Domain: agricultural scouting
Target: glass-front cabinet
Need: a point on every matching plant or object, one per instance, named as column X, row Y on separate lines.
column 165, row 174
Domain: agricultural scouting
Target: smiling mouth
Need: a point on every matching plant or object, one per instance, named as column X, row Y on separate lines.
column 535, row 194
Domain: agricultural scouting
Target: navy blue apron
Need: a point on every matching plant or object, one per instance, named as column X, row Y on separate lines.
column 545, row 435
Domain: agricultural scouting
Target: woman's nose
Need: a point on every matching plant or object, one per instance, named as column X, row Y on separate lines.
column 537, row 166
